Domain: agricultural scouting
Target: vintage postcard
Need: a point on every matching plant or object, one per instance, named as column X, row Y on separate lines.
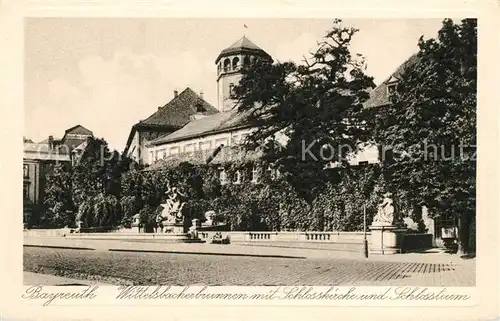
column 230, row 160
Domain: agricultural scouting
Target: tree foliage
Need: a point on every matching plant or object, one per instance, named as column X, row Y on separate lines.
column 87, row 191
column 317, row 102
column 431, row 124
column 59, row 209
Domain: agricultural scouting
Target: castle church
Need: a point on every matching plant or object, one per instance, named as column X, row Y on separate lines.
column 189, row 129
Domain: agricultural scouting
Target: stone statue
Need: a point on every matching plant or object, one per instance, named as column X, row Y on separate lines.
column 172, row 208
column 209, row 217
column 386, row 211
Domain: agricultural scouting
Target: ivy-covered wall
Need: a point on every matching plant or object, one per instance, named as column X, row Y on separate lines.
column 272, row 204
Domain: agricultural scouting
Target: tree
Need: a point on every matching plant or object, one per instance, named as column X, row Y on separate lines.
column 58, row 198
column 431, row 126
column 315, row 105
column 98, row 170
column 91, row 188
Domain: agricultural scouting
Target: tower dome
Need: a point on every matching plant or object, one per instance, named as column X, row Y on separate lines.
column 229, row 63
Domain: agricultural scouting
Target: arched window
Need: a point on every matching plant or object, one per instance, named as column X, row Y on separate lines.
column 227, row 64
column 219, row 67
column 246, row 61
column 236, row 62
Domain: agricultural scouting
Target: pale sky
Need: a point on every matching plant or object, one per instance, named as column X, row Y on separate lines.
column 108, row 73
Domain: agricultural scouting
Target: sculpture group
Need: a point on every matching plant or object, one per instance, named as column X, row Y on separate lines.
column 172, row 208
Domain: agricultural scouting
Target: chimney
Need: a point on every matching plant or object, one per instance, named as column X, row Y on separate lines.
column 201, row 94
column 51, row 142
column 176, row 93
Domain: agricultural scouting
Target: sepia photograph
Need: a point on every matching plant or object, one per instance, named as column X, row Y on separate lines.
column 250, row 152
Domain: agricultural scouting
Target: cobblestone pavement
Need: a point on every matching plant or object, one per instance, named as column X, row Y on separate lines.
column 31, row 278
column 181, row 269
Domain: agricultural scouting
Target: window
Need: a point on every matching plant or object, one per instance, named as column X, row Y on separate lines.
column 164, row 153
column 391, row 90
column 206, row 145
column 200, row 108
column 234, row 140
column 26, row 191
column 157, row 155
column 174, row 150
column 236, row 62
column 189, row 148
column 255, row 175
column 246, row 61
column 273, row 173
column 26, row 171
column 222, row 142
column 223, row 176
column 227, row 65
column 231, row 89
column 237, row 177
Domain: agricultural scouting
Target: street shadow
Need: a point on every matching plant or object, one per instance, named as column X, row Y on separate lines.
column 206, row 253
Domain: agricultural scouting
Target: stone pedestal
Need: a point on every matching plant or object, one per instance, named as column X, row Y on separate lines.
column 196, row 223
column 386, row 239
column 175, row 228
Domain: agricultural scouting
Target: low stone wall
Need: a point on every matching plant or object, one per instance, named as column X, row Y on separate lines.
column 163, row 237
column 47, row 232
column 316, row 237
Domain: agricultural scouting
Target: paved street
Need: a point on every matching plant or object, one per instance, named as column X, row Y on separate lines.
column 177, row 268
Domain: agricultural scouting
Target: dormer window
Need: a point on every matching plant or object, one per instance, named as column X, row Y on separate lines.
column 200, row 108
column 392, row 85
column 391, row 90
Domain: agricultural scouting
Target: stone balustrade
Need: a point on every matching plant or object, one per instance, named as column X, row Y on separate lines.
column 333, row 237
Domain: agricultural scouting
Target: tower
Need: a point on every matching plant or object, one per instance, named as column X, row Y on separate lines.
column 229, row 68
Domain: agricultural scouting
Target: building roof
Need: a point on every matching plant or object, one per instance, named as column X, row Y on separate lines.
column 242, row 45
column 74, row 136
column 40, row 151
column 177, row 111
column 212, row 124
column 380, row 95
column 175, row 114
column 226, row 155
column 78, row 130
